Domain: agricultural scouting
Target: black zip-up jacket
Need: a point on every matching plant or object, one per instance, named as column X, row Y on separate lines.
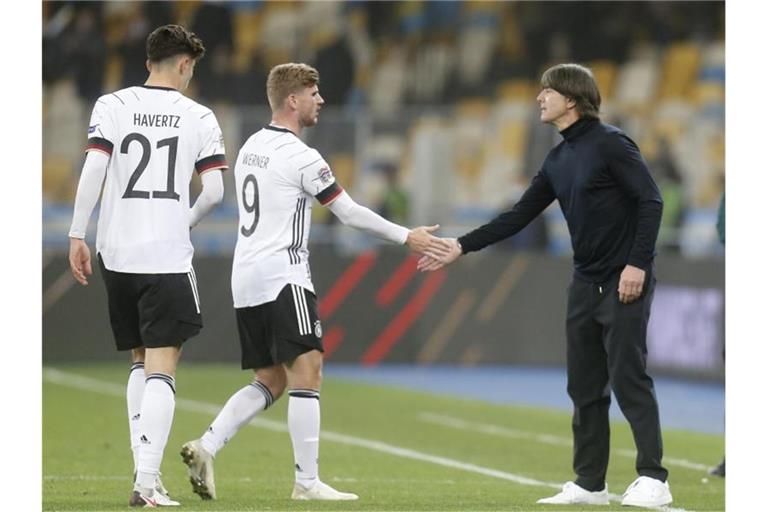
column 611, row 203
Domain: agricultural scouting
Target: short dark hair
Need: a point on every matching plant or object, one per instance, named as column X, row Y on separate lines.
column 171, row 40
column 577, row 83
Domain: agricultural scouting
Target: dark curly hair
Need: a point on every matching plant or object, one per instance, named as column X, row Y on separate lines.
column 171, row 40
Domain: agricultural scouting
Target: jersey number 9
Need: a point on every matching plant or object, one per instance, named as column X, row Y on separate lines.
column 252, row 207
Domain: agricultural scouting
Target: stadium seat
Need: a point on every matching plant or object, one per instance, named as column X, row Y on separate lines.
column 247, row 27
column 637, row 79
column 605, row 73
column 680, row 67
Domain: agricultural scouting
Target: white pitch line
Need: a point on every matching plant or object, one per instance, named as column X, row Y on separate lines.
column 86, row 477
column 72, row 380
column 486, row 428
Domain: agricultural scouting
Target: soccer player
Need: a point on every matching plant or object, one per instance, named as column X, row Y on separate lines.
column 144, row 143
column 613, row 209
column 276, row 176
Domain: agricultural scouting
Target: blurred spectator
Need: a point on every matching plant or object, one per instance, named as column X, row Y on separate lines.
column 144, row 18
column 667, row 175
column 212, row 22
column 335, row 64
column 394, row 203
column 73, row 42
column 57, row 16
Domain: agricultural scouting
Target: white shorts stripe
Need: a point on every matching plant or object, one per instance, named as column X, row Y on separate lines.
column 193, row 285
column 298, row 309
column 303, row 299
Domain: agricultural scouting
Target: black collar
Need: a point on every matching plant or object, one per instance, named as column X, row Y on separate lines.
column 158, row 87
column 581, row 126
column 278, row 129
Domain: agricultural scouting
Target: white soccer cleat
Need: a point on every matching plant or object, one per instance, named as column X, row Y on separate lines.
column 320, row 491
column 572, row 494
column 161, row 496
column 647, row 492
column 143, row 498
column 200, row 469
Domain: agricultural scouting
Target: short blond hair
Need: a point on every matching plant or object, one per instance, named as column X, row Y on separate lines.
column 287, row 79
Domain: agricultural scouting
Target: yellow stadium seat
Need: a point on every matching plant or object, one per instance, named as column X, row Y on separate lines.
column 605, row 73
column 247, row 28
column 59, row 183
column 516, row 90
column 679, row 70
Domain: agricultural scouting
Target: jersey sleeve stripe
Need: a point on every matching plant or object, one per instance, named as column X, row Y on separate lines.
column 310, row 163
column 211, row 162
column 330, row 193
column 99, row 144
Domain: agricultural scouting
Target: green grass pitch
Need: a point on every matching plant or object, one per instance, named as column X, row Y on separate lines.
column 399, row 450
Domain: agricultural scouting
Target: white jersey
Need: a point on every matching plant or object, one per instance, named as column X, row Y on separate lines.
column 276, row 176
column 155, row 138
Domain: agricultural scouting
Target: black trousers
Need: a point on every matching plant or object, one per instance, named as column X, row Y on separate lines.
column 607, row 350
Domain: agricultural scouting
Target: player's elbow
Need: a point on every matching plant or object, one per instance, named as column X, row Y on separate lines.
column 213, row 188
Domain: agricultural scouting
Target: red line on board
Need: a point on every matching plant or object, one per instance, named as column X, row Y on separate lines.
column 332, row 340
column 346, row 283
column 397, row 327
column 397, row 281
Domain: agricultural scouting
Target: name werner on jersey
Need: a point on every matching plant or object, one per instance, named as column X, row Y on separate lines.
column 156, row 120
column 255, row 160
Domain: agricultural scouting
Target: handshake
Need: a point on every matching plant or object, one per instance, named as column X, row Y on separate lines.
column 436, row 252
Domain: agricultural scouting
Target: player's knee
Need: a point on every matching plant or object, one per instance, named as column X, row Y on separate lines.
column 306, row 377
column 273, row 378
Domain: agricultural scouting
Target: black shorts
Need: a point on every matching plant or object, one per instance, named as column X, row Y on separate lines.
column 152, row 310
column 279, row 331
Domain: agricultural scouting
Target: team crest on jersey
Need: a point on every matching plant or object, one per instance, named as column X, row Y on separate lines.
column 318, row 329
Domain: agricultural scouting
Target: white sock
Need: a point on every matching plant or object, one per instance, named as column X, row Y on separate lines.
column 154, row 426
column 134, row 392
column 237, row 412
column 304, row 427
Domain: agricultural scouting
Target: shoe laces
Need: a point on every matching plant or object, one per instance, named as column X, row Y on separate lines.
column 644, row 484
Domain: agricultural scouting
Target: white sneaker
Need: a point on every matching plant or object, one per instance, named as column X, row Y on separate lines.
column 161, row 496
column 141, row 497
column 647, row 492
column 200, row 469
column 572, row 494
column 320, row 491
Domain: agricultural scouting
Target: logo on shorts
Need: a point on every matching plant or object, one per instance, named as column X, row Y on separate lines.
column 318, row 329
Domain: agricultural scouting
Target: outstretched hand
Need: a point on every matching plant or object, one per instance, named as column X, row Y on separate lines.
column 80, row 260
column 441, row 252
column 419, row 239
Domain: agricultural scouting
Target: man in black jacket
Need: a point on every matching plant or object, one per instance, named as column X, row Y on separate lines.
column 613, row 209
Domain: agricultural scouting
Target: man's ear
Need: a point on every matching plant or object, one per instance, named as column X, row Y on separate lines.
column 293, row 102
column 148, row 64
column 570, row 103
